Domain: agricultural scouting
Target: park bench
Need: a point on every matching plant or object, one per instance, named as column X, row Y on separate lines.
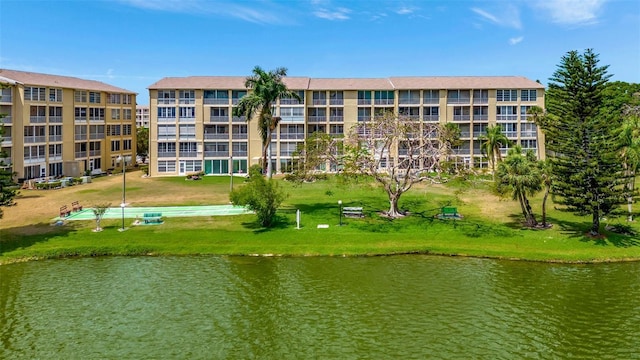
column 64, row 211
column 352, row 211
column 449, row 212
column 152, row 218
column 76, row 206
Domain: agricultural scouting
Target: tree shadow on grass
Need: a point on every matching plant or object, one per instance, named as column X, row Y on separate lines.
column 280, row 222
column 580, row 231
column 26, row 236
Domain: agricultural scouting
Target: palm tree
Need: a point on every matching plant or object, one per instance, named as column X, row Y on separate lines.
column 630, row 139
column 490, row 147
column 266, row 88
column 520, row 175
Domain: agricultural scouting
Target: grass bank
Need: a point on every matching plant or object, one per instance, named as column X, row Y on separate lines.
column 490, row 227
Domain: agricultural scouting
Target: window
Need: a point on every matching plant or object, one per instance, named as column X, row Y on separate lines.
column 529, row 144
column 55, row 133
column 96, row 114
column 55, row 95
column 187, row 131
column 94, row 97
column 506, row 113
column 409, row 97
column 187, row 96
column 34, row 93
column 115, row 145
column 336, row 98
column 431, row 96
column 126, row 144
column 236, row 95
column 364, row 114
column 166, row 132
column 126, row 129
column 506, row 95
column 364, row 97
column 80, row 96
column 55, row 150
column 384, row 97
column 166, row 149
column 292, row 113
column 509, row 129
column 431, row 113
column 239, row 148
column 96, row 131
column 167, row 112
column 115, row 114
column 480, row 112
column 458, row 97
column 336, row 130
column 167, row 166
column 480, row 96
column 187, row 112
column 290, row 100
column 94, row 148
column 216, row 97
column 188, row 148
column 528, row 130
column 113, row 99
column 113, row 130
column 319, row 98
column 166, row 96
column 126, row 99
column 528, row 95
column 81, row 113
column 192, row 165
column 80, row 132
column 126, row 114
column 55, row 114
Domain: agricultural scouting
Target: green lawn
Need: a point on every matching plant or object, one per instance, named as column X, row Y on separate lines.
column 490, row 227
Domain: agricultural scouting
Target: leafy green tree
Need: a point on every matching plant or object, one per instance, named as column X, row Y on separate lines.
column 142, row 143
column 98, row 212
column 266, row 88
column 317, row 150
column 587, row 176
column 520, row 175
column 448, row 138
column 490, row 146
column 630, row 141
column 263, row 196
column 7, row 185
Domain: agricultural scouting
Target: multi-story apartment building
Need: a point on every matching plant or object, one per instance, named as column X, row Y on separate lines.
column 192, row 127
column 60, row 125
column 142, row 116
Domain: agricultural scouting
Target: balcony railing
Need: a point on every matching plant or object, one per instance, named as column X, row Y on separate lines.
column 364, row 118
column 239, row 119
column 235, row 101
column 239, row 136
column 477, row 134
column 80, row 137
column 364, row 101
column 480, row 117
column 317, row 118
column 528, row 133
column 336, row 102
column 219, row 119
column 410, row 117
column 186, row 101
column 55, row 138
column 216, row 101
column 55, row 119
column 6, row 120
column 188, row 154
column 6, row 98
column 459, row 101
column 431, row 118
column 216, row 153
column 480, row 100
column 166, row 119
column 290, row 119
column 239, row 152
column 319, row 101
column 384, row 102
column 506, row 117
column 34, row 139
column 403, row 101
column 167, row 101
column 94, row 153
column 461, row 117
column 336, row 134
column 80, row 118
column 81, row 154
column 431, row 100
column 96, row 118
column 167, row 137
column 38, row 119
column 510, row 134
column 465, row 134
column 96, row 136
column 186, row 119
column 291, row 102
column 216, row 136
column 289, row 136
column 166, row 154
column 6, row 140
column 35, row 159
column 336, row 118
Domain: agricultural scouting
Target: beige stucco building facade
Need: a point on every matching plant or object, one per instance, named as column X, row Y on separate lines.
column 59, row 125
column 192, row 127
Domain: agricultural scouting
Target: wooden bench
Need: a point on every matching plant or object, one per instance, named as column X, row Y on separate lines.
column 152, row 218
column 76, row 206
column 449, row 212
column 352, row 211
column 64, row 211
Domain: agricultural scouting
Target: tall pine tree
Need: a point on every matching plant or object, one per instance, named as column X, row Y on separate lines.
column 586, row 172
column 7, row 186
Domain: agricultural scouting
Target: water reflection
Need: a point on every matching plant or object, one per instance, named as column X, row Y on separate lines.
column 383, row 307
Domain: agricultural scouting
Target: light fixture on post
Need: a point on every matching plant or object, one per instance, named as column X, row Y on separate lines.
column 124, row 188
column 340, row 203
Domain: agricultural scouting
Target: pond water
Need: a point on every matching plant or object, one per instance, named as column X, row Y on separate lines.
column 299, row 308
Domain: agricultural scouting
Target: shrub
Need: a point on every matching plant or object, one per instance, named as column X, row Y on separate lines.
column 259, row 195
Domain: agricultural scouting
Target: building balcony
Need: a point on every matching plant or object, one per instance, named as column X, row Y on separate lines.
column 239, row 119
column 431, row 118
column 166, row 154
column 96, row 136
column 6, row 141
column 295, row 136
column 166, row 119
column 317, row 118
column 38, row 119
column 506, row 117
column 216, row 154
column 188, row 154
column 336, row 118
column 236, row 136
column 235, row 101
column 166, row 101
column 465, row 134
column 55, row 119
column 528, row 134
column 187, row 137
column 336, row 102
column 34, row 159
column 430, row 100
column 167, row 137
column 291, row 102
column 480, row 101
column 94, row 153
column 187, row 119
column 186, row 101
column 461, row 101
column 55, row 138
column 80, row 137
column 336, row 134
column 364, row 118
column 480, row 117
column 34, row 139
column 320, row 102
column 240, row 152
column 96, row 118
column 6, row 120
column 216, row 136
column 291, row 119
column 511, row 134
column 461, row 117
column 384, row 102
column 80, row 119
column 410, row 117
column 408, row 101
column 219, row 119
column 364, row 101
column 6, row 98
column 215, row 101
column 81, row 154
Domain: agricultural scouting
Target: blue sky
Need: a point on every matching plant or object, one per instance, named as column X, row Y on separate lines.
column 134, row 43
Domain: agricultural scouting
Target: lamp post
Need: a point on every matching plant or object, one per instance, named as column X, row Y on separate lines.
column 340, row 203
column 124, row 188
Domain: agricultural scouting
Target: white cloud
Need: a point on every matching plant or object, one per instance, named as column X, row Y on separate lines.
column 405, row 10
column 516, row 40
column 337, row 14
column 508, row 16
column 572, row 12
column 251, row 13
